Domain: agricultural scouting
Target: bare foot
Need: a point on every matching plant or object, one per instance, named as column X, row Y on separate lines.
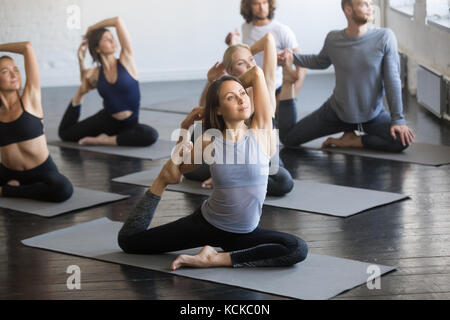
column 206, row 258
column 14, row 183
column 207, row 184
column 102, row 139
column 348, row 139
column 289, row 75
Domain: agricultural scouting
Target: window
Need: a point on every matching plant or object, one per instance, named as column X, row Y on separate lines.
column 404, row 6
column 438, row 12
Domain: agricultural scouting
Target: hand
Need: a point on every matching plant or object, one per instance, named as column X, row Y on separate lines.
column 233, row 38
column 216, row 72
column 197, row 114
column 82, row 51
column 406, row 135
column 286, row 57
column 207, row 184
column 170, row 173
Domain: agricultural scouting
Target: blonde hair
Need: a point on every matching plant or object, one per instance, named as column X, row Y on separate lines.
column 228, row 56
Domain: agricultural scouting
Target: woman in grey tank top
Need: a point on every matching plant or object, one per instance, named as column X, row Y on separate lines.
column 229, row 219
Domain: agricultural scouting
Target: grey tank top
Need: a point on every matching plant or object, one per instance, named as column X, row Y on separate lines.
column 239, row 176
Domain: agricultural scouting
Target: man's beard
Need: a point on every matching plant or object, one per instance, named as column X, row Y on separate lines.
column 360, row 20
column 260, row 17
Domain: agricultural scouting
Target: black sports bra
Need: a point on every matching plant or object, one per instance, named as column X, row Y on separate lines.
column 26, row 127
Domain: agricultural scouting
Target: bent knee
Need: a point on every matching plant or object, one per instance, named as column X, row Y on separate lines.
column 280, row 185
column 61, row 190
column 298, row 252
column 399, row 147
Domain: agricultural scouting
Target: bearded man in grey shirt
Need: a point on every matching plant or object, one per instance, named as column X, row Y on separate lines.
column 367, row 67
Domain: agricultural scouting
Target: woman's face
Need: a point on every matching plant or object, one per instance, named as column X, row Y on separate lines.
column 107, row 44
column 235, row 104
column 9, row 75
column 242, row 61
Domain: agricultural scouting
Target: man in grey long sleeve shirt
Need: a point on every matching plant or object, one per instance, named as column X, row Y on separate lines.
column 367, row 66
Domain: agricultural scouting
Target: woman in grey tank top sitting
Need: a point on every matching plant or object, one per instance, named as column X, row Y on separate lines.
column 229, row 218
column 237, row 60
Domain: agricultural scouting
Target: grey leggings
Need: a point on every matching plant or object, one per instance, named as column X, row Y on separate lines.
column 324, row 122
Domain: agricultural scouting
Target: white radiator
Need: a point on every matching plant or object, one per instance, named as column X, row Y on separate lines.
column 432, row 91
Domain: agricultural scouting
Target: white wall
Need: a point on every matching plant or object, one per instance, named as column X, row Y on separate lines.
column 173, row 40
column 424, row 44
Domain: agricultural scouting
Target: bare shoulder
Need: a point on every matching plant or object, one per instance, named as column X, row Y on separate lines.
column 129, row 63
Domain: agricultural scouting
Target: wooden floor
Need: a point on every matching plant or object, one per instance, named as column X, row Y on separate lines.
column 413, row 234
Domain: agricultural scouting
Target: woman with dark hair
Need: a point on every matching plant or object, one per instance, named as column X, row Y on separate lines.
column 27, row 169
column 229, row 218
column 116, row 81
column 237, row 60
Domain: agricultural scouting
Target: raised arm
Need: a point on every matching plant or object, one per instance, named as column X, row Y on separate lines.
column 267, row 44
column 214, row 73
column 32, row 89
column 122, row 33
column 262, row 118
column 311, row 61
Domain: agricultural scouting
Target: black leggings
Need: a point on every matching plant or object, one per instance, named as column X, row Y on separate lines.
column 129, row 132
column 43, row 183
column 260, row 248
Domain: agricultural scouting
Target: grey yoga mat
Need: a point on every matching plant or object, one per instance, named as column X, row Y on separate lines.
column 306, row 196
column 318, row 277
column 182, row 106
column 162, row 149
column 419, row 153
column 81, row 199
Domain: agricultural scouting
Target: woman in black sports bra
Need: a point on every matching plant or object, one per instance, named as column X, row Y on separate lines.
column 26, row 169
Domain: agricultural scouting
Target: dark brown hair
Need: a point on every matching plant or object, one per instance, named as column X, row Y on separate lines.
column 246, row 9
column 346, row 3
column 212, row 119
column 94, row 38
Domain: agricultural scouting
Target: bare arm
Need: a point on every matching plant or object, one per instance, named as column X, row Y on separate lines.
column 127, row 53
column 263, row 110
column 267, row 44
column 301, row 73
column 197, row 114
column 262, row 119
column 32, row 89
column 122, row 32
column 214, row 73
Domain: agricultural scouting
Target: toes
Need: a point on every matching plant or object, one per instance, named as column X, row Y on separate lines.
column 328, row 143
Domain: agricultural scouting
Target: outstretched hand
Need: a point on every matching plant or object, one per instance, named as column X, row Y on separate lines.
column 197, row 114
column 170, row 173
column 405, row 134
column 285, row 57
column 217, row 70
column 233, row 38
